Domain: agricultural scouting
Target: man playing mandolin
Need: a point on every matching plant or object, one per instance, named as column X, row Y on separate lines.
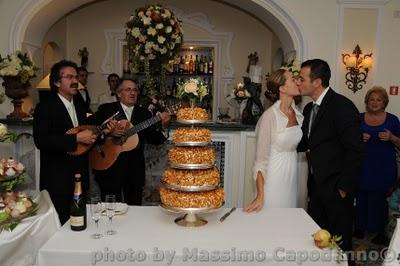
column 126, row 175
column 52, row 118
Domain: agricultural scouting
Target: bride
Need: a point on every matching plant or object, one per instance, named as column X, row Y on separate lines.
column 278, row 133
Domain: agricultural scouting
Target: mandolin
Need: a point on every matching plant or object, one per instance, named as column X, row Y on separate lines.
column 103, row 155
column 81, row 148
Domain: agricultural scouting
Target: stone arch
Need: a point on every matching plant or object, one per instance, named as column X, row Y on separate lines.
column 35, row 18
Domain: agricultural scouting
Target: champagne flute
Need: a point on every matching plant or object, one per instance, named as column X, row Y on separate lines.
column 110, row 211
column 96, row 209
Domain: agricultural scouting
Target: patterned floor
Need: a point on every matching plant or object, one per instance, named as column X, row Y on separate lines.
column 373, row 252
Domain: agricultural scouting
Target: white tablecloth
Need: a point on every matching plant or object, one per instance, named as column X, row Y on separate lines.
column 20, row 246
column 145, row 232
column 393, row 257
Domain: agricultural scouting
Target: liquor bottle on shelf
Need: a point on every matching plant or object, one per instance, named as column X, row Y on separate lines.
column 201, row 65
column 191, row 65
column 210, row 66
column 196, row 65
column 176, row 65
column 181, row 65
column 78, row 207
column 186, row 69
column 205, row 71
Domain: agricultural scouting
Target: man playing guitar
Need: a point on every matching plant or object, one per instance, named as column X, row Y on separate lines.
column 125, row 177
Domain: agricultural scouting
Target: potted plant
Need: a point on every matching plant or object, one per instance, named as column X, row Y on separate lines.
column 16, row 70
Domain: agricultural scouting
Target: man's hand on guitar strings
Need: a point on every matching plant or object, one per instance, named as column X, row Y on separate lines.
column 86, row 136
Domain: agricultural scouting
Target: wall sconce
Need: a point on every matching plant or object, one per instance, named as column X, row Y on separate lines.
column 357, row 66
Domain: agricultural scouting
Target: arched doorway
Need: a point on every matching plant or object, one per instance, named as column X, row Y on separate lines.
column 36, row 17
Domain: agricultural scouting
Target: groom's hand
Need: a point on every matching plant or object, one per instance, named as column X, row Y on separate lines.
column 342, row 193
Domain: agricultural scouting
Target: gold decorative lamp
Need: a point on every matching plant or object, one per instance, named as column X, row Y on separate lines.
column 44, row 84
column 357, row 66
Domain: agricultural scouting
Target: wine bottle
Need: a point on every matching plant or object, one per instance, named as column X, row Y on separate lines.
column 78, row 207
column 210, row 66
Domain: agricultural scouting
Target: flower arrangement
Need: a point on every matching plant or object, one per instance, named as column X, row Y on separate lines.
column 239, row 93
column 7, row 135
column 292, row 66
column 193, row 88
column 154, row 36
column 17, row 64
column 14, row 207
column 153, row 32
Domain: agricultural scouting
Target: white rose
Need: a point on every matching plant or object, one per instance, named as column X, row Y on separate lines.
column 136, row 32
column 163, row 51
column 161, row 39
column 168, row 29
column 3, row 130
column 190, row 87
column 159, row 26
column 146, row 20
column 151, row 31
column 166, row 14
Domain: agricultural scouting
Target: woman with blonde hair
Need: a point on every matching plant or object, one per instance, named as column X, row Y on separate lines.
column 278, row 133
column 381, row 131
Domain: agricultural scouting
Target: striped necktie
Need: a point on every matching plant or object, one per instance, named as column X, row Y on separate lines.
column 313, row 115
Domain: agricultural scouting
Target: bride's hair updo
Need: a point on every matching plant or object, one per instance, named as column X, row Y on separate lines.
column 274, row 81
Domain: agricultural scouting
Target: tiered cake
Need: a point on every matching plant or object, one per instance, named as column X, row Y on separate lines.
column 192, row 182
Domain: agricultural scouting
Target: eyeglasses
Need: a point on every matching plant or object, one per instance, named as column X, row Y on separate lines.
column 69, row 76
column 130, row 89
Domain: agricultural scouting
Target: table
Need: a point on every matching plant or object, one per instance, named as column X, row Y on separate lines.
column 393, row 257
column 20, row 246
column 149, row 236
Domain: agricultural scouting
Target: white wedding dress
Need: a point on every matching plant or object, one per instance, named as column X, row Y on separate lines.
column 276, row 157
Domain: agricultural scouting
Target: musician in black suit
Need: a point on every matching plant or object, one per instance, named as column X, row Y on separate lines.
column 126, row 177
column 333, row 143
column 52, row 118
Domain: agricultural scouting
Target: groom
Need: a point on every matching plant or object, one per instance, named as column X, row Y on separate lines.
column 333, row 144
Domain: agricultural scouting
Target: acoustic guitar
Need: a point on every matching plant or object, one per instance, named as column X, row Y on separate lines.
column 103, row 155
column 81, row 148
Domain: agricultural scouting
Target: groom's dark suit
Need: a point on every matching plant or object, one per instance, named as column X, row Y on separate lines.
column 334, row 151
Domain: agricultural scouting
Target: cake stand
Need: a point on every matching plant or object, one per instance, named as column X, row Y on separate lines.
column 190, row 216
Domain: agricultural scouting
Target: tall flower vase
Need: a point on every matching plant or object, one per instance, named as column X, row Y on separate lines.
column 16, row 90
column 192, row 102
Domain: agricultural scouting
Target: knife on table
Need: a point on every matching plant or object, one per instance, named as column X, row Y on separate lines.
column 226, row 215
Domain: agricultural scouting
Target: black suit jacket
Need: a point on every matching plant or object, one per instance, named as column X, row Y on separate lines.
column 86, row 103
column 335, row 144
column 57, row 168
column 131, row 162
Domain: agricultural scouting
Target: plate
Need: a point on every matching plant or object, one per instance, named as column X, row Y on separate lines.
column 189, row 188
column 120, row 208
column 192, row 143
column 194, row 121
column 191, row 166
column 190, row 210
